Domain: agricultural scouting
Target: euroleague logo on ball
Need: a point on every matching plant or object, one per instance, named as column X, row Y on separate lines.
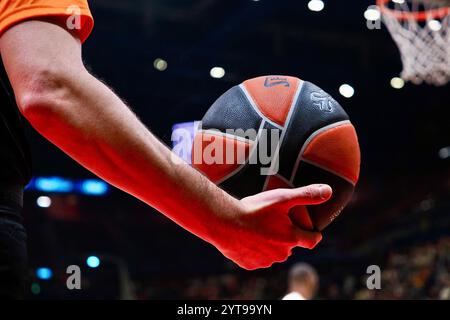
column 322, row 100
column 276, row 81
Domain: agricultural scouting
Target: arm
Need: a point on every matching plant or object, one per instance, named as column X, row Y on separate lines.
column 85, row 119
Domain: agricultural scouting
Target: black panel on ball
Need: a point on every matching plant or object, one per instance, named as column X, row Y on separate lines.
column 315, row 109
column 232, row 111
column 308, row 174
column 249, row 180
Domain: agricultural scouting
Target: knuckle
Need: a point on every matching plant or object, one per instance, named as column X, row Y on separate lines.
column 308, row 192
column 309, row 245
column 313, row 242
column 247, row 265
column 282, row 258
column 282, row 254
column 305, row 243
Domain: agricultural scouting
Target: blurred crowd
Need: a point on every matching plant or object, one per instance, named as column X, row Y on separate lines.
column 422, row 272
column 416, row 272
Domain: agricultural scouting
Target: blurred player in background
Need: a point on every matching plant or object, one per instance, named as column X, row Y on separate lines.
column 303, row 282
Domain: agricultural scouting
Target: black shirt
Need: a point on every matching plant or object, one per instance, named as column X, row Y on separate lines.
column 15, row 160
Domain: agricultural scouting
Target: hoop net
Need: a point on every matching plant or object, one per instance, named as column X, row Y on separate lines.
column 421, row 30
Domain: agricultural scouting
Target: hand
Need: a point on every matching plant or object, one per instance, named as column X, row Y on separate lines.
column 263, row 233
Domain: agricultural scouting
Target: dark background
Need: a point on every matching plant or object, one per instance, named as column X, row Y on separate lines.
column 401, row 204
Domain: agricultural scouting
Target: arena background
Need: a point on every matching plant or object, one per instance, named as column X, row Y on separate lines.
column 399, row 218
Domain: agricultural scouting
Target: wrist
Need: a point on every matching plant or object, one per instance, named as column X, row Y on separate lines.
column 226, row 225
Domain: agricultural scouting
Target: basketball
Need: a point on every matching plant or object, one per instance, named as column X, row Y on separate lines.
column 280, row 132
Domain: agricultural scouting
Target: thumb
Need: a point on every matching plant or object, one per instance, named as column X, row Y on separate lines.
column 286, row 199
column 309, row 195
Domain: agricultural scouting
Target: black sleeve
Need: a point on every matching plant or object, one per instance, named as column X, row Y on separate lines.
column 15, row 160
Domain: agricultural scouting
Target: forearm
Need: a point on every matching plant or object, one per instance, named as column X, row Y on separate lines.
column 92, row 125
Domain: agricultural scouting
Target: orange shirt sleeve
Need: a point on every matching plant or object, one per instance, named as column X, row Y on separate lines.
column 76, row 13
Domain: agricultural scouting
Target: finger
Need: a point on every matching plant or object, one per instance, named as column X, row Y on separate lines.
column 301, row 218
column 309, row 195
column 307, row 239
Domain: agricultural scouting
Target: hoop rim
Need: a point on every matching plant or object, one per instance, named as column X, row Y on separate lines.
column 437, row 13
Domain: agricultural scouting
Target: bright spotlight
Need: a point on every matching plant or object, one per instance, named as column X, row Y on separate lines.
column 434, row 25
column 397, row 83
column 346, row 90
column 93, row 262
column 44, row 202
column 316, row 5
column 444, row 153
column 160, row 64
column 53, row 184
column 94, row 187
column 399, row 1
column 217, row 72
column 44, row 273
column 372, row 13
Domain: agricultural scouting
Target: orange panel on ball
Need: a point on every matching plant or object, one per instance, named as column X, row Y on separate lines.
column 276, row 182
column 273, row 96
column 337, row 150
column 217, row 155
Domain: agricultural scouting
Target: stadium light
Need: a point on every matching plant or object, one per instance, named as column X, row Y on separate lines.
column 434, row 25
column 160, row 64
column 316, row 5
column 93, row 262
column 346, row 90
column 217, row 72
column 372, row 13
column 90, row 187
column 94, row 187
column 397, row 83
column 53, row 184
column 444, row 153
column 44, row 273
column 44, row 202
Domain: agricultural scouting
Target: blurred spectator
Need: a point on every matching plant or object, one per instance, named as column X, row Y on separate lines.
column 303, row 282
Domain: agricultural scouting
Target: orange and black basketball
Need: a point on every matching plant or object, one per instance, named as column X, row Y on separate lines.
column 307, row 136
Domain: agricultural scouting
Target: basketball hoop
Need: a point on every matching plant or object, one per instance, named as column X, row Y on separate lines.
column 421, row 30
